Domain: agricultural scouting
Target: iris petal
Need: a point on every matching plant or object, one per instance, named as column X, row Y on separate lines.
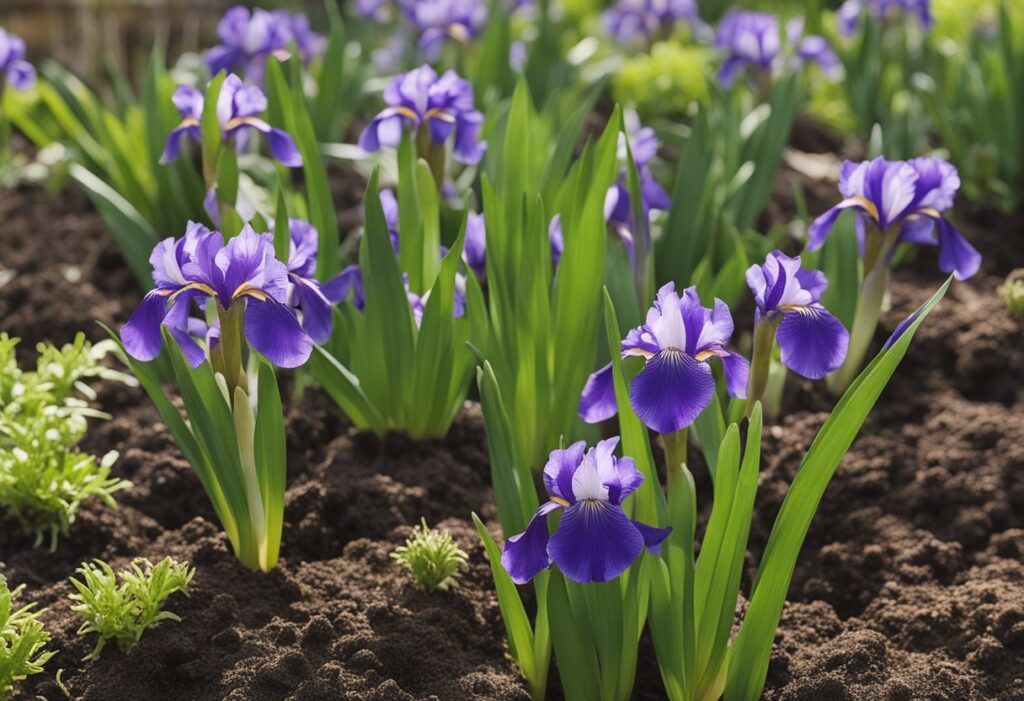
column 141, row 334
column 653, row 536
column 526, row 554
column 597, row 401
column 274, row 331
column 560, row 468
column 595, row 542
column 671, row 391
column 956, row 255
column 812, row 342
column 283, row 148
column 316, row 310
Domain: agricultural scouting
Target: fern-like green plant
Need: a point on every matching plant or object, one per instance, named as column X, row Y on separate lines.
column 122, row 606
column 43, row 416
column 432, row 557
column 23, row 641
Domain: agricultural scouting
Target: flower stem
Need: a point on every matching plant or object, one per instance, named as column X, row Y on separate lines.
column 761, row 362
column 433, row 154
column 675, row 445
column 227, row 355
column 869, row 310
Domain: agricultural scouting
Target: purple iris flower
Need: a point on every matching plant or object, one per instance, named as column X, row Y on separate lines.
column 595, row 541
column 641, row 21
column 19, row 73
column 378, row 11
column 237, row 108
column 439, row 20
column 753, row 40
column 850, row 12
column 304, row 291
column 813, row 343
column 904, row 200
column 678, row 339
column 474, row 248
column 200, row 266
column 420, row 100
column 249, row 38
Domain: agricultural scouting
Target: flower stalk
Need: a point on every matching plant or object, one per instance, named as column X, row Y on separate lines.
column 761, row 361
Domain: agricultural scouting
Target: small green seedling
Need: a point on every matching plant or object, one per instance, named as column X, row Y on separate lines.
column 432, row 557
column 43, row 416
column 122, row 606
column 23, row 641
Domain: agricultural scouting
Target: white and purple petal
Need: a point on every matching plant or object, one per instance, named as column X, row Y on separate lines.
column 812, row 342
column 671, row 391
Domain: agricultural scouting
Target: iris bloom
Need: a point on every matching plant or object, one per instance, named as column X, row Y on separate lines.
column 753, row 40
column 812, row 342
column 440, row 107
column 242, row 277
column 474, row 249
column 677, row 342
column 304, row 292
column 249, row 38
column 849, row 12
column 238, row 107
column 595, row 541
column 439, row 20
column 18, row 73
column 904, row 202
column 642, row 21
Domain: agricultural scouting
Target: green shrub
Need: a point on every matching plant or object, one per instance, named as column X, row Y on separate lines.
column 664, row 82
column 122, row 606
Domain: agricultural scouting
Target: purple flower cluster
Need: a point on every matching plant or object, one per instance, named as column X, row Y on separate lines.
column 443, row 106
column 850, row 12
column 14, row 69
column 201, row 267
column 641, row 21
column 238, row 110
column 754, row 41
column 595, row 540
column 812, row 342
column 904, row 201
column 677, row 341
column 249, row 38
column 440, row 20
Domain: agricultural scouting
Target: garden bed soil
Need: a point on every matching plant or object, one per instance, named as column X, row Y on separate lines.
column 910, row 585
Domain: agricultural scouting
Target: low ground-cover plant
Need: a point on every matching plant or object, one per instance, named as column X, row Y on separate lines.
column 121, row 606
column 431, row 557
column 23, row 640
column 43, row 478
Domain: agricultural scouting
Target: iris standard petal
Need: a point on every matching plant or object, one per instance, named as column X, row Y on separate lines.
column 274, row 331
column 812, row 342
column 525, row 554
column 560, row 468
column 956, row 255
column 653, row 536
column 627, row 479
column 595, row 542
column 671, row 391
column 21, row 75
column 141, row 334
column 597, row 401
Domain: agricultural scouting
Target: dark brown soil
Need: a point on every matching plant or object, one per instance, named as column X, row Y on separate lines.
column 910, row 586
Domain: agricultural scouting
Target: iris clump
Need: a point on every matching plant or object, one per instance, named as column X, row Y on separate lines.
column 121, row 606
column 595, row 540
column 432, row 557
column 637, row 22
column 850, row 13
